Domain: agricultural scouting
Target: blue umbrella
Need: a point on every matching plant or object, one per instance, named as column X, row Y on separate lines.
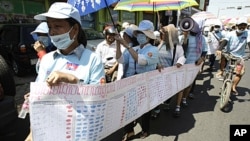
column 89, row 6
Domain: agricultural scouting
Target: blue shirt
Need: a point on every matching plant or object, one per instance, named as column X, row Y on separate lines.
column 236, row 44
column 82, row 63
column 192, row 53
column 148, row 52
column 166, row 56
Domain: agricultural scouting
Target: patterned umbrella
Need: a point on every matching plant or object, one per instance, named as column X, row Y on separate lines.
column 154, row 5
column 230, row 21
column 203, row 15
column 89, row 6
column 210, row 22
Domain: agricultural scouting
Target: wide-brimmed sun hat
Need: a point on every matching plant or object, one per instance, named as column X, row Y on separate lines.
column 146, row 27
column 60, row 10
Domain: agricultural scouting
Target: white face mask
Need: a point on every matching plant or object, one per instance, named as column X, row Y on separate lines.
column 205, row 33
column 44, row 39
column 62, row 41
column 141, row 38
column 216, row 29
column 240, row 31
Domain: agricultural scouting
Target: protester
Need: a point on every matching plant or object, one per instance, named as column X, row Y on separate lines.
column 195, row 48
column 66, row 34
column 43, row 43
column 214, row 38
column 107, row 51
column 139, row 59
column 131, row 40
column 171, row 54
column 235, row 43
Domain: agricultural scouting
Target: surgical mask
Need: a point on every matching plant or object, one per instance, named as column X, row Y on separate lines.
column 240, row 31
column 44, row 39
column 205, row 33
column 62, row 41
column 141, row 38
column 216, row 29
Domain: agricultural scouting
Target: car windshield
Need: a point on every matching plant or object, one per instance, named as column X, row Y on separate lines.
column 92, row 34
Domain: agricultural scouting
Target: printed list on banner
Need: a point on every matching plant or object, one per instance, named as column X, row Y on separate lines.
column 71, row 112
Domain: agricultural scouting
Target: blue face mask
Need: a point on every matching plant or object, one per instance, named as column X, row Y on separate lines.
column 45, row 40
column 141, row 38
column 62, row 41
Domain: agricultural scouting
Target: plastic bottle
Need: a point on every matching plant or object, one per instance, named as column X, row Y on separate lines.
column 240, row 65
column 24, row 110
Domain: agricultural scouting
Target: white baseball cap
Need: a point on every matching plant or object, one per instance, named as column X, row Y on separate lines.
column 41, row 28
column 242, row 20
column 130, row 29
column 206, row 28
column 146, row 27
column 60, row 10
column 125, row 25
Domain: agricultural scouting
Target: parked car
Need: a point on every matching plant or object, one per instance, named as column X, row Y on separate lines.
column 8, row 110
column 16, row 46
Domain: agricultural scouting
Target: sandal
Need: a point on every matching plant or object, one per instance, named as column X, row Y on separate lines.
column 128, row 136
column 235, row 92
column 143, row 135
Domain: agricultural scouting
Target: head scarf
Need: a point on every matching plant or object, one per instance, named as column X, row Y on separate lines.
column 172, row 34
column 198, row 30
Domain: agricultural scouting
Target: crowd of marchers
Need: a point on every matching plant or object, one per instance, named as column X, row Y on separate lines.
column 63, row 56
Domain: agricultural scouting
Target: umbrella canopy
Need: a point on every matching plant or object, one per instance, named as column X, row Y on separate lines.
column 154, row 5
column 203, row 15
column 230, row 21
column 211, row 22
column 89, row 6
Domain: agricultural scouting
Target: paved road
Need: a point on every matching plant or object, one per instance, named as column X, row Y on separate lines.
column 201, row 120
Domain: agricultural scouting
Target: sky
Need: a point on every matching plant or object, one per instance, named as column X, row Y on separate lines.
column 229, row 8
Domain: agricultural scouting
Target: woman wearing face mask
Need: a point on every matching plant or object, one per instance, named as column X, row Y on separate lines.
column 71, row 62
column 68, row 37
column 131, row 40
column 43, row 44
column 140, row 59
column 235, row 43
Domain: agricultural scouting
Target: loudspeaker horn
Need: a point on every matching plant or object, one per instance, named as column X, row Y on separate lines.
column 187, row 24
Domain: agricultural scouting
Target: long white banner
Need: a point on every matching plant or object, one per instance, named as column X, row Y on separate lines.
column 71, row 112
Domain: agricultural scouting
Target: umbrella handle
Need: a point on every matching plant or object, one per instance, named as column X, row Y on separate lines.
column 111, row 16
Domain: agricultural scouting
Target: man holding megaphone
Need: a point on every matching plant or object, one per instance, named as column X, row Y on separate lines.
column 195, row 49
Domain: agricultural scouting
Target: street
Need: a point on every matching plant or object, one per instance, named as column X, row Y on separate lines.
column 201, row 120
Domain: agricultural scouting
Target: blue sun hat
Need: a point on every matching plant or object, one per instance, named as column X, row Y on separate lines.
column 41, row 28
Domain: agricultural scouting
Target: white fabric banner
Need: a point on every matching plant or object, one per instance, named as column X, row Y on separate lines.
column 71, row 112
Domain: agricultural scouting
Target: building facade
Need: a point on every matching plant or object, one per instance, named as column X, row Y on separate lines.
column 23, row 11
column 229, row 8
